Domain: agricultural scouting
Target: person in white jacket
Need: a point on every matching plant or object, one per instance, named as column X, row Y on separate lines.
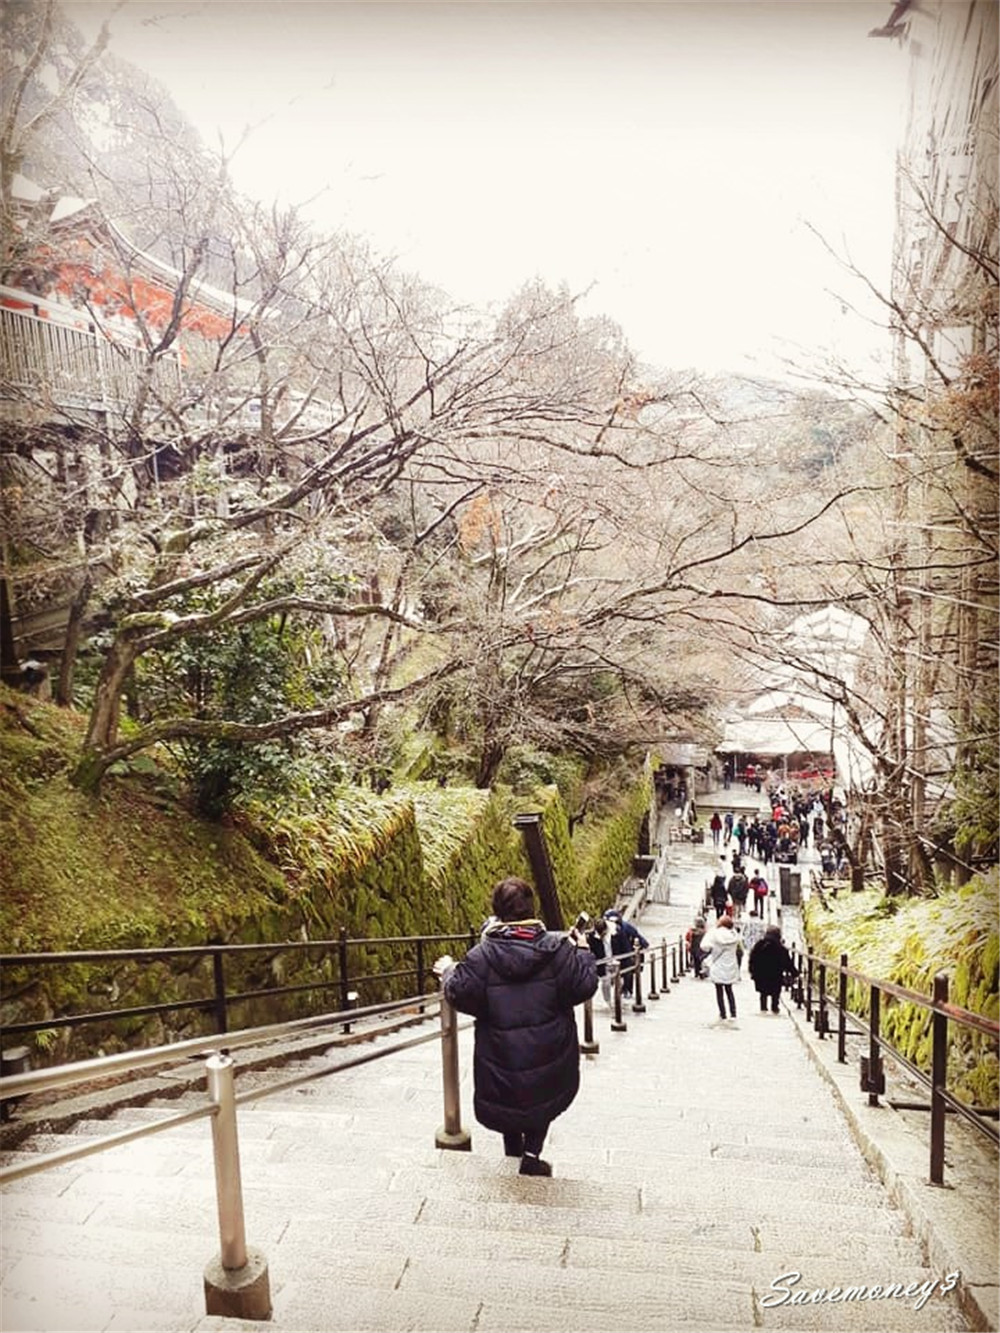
column 722, row 943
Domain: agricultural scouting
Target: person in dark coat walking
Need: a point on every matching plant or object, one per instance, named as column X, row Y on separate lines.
column 770, row 962
column 739, row 887
column 718, row 891
column 520, row 983
column 694, row 937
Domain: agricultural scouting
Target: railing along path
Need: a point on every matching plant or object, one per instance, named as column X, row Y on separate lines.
column 237, row 1282
column 813, row 989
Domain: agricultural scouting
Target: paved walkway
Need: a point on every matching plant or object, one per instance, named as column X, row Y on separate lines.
column 704, row 1174
column 956, row 1224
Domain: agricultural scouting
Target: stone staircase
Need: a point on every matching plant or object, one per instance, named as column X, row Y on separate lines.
column 699, row 1164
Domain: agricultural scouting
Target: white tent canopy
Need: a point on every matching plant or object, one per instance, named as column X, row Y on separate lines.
column 772, row 737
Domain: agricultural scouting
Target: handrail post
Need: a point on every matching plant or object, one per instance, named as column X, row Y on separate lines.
column 939, row 1078
column 236, row 1283
column 874, row 1083
column 654, row 994
column 451, row 1134
column 664, row 983
column 637, row 1005
column 589, row 1046
column 798, row 994
column 821, row 1024
column 682, row 965
column 219, row 978
column 342, row 956
column 618, row 1023
column 809, row 988
column 842, row 1011
column 673, row 963
column 421, row 971
column 226, row 1151
column 352, row 1003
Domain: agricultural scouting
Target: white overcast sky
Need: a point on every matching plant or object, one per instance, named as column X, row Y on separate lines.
column 668, row 156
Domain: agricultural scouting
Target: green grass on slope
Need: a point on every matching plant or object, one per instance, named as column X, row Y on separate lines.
column 130, row 866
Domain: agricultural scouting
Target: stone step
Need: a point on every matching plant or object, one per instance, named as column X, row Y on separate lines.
column 653, row 1183
column 345, row 1141
column 696, row 1239
column 576, row 1281
column 697, row 1165
column 505, row 1299
column 632, row 1187
column 440, row 1195
column 79, row 1294
column 733, row 1287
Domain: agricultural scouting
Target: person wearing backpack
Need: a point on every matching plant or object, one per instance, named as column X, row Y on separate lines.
column 694, row 936
column 740, row 834
column 759, row 889
column 623, row 946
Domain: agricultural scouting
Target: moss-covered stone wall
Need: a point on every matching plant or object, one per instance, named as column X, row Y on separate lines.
column 562, row 857
column 469, row 843
column 131, row 868
column 908, row 941
column 604, row 850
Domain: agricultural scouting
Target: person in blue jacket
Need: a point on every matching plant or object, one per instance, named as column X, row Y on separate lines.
column 623, row 941
column 521, row 983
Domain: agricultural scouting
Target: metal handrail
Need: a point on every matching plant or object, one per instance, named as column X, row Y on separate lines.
column 966, row 1112
column 195, row 950
column 220, row 1001
column 237, row 1281
column 872, row 1073
column 257, row 1094
column 81, row 1071
column 966, row 1017
column 44, row 1161
column 90, row 1147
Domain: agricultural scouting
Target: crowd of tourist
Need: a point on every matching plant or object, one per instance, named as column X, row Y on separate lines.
column 799, row 819
column 802, row 816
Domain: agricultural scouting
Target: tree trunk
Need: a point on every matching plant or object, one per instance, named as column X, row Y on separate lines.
column 10, row 667
column 489, row 763
column 71, row 644
column 102, row 731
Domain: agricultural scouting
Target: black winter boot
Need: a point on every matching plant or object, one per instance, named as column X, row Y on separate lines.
column 534, row 1166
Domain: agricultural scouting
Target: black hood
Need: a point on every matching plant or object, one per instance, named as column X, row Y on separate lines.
column 516, row 953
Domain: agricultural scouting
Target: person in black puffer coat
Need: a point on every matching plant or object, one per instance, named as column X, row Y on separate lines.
column 520, row 983
column 770, row 964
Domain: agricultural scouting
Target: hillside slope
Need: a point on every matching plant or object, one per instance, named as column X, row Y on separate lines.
column 131, row 864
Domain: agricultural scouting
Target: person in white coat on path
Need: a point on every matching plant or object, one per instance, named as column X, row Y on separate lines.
column 722, row 943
